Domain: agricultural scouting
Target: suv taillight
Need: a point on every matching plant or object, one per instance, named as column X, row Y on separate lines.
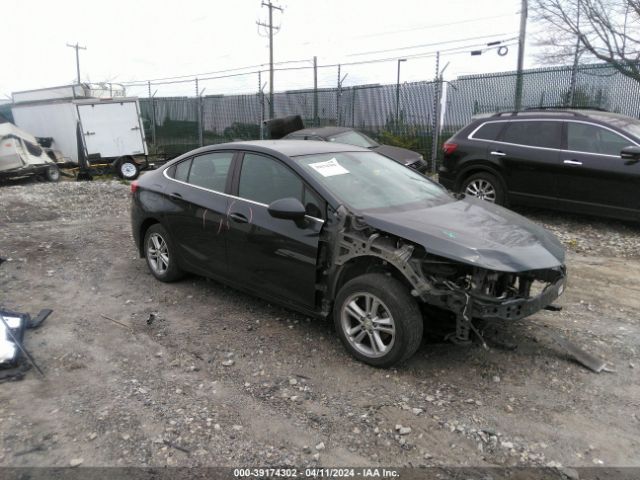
column 134, row 186
column 449, row 148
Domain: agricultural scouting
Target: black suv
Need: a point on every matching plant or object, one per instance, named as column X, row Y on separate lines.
column 584, row 161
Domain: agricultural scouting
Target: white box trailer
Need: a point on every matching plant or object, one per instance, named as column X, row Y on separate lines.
column 102, row 131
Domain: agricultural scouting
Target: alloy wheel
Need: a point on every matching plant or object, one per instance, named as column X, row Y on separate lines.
column 482, row 189
column 368, row 324
column 158, row 254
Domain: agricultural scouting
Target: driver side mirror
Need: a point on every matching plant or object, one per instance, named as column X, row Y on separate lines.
column 288, row 209
column 631, row 154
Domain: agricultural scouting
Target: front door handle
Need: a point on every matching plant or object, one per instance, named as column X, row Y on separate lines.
column 498, row 153
column 572, row 162
column 238, row 217
column 175, row 195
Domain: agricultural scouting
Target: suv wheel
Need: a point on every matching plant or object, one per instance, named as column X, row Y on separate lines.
column 160, row 254
column 484, row 186
column 377, row 319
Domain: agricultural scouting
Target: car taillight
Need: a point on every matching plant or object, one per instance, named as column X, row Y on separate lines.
column 449, row 148
column 134, row 186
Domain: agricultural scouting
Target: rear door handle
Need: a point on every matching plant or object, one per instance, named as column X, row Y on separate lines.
column 572, row 162
column 498, row 153
column 175, row 195
column 238, row 217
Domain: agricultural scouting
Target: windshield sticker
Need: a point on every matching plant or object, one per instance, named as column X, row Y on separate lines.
column 329, row 168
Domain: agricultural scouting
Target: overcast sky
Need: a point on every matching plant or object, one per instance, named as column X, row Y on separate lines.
column 141, row 39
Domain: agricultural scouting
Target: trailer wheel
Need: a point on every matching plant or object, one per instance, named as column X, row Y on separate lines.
column 127, row 169
column 52, row 173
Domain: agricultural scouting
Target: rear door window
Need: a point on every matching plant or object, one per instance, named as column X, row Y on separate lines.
column 533, row 133
column 210, row 170
column 584, row 137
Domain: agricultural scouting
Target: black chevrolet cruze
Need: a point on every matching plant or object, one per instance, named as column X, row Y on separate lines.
column 582, row 161
column 337, row 230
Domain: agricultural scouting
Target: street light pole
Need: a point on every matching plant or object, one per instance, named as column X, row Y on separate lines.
column 398, row 92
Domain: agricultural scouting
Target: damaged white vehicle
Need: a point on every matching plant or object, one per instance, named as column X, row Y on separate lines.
column 21, row 155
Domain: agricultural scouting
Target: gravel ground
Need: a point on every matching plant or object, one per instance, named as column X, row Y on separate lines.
column 221, row 378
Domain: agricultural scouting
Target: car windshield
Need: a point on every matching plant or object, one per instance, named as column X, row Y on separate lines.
column 628, row 124
column 368, row 180
column 353, row 138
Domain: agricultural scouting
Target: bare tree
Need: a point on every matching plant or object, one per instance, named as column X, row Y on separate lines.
column 607, row 30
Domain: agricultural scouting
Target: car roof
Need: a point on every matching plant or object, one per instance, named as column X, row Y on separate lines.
column 321, row 131
column 294, row 148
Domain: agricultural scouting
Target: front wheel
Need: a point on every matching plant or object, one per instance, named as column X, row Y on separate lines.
column 127, row 169
column 484, row 186
column 160, row 254
column 377, row 319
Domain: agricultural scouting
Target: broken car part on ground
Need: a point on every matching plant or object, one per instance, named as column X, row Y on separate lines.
column 336, row 229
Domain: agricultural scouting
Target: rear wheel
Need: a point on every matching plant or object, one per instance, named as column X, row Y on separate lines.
column 377, row 319
column 160, row 254
column 127, row 168
column 52, row 173
column 484, row 186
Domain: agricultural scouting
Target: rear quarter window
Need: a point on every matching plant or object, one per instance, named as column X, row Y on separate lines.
column 488, row 131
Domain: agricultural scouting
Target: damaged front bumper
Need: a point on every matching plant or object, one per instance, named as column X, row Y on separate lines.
column 467, row 291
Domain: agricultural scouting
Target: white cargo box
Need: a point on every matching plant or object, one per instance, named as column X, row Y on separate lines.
column 111, row 128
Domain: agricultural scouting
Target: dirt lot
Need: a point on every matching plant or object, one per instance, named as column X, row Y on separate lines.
column 232, row 380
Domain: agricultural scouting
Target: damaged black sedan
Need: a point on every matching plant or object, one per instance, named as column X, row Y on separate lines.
column 337, row 230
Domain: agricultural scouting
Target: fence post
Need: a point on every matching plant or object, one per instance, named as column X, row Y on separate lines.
column 436, row 116
column 153, row 115
column 315, row 92
column 199, row 114
column 261, row 97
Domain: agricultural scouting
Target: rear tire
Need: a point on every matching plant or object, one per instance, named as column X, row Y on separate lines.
column 484, row 186
column 127, row 168
column 160, row 254
column 377, row 319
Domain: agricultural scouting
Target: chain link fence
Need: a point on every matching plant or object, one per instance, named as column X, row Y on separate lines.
column 401, row 114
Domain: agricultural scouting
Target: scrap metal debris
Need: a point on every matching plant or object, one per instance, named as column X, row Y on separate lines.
column 12, row 349
column 590, row 361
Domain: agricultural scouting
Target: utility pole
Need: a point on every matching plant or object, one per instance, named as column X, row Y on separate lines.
column 400, row 60
column 77, row 49
column 521, row 39
column 271, row 28
column 576, row 56
column 339, row 97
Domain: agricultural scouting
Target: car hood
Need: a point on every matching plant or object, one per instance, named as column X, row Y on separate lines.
column 401, row 155
column 474, row 232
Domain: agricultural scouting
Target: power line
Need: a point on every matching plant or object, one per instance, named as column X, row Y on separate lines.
column 409, row 47
column 426, row 27
column 449, row 51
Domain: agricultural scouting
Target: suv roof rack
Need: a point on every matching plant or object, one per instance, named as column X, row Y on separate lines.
column 558, row 109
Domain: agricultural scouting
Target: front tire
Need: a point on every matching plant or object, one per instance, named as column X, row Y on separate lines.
column 484, row 186
column 160, row 254
column 377, row 319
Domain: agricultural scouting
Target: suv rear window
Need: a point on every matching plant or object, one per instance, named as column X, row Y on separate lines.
column 489, row 131
column 533, row 133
